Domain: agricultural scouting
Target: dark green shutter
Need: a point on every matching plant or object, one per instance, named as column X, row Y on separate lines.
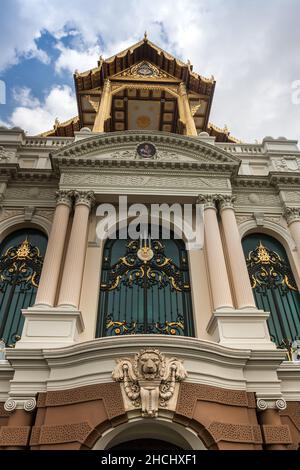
column 138, row 296
column 274, row 286
column 21, row 259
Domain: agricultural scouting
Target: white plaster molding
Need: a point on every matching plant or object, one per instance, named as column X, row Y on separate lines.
column 163, row 427
column 289, row 374
column 245, row 328
column 50, row 327
column 6, row 375
column 11, row 224
column 250, row 225
column 39, row 370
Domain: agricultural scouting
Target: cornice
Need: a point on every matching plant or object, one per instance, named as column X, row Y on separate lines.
column 252, row 181
column 14, row 172
column 284, row 178
column 273, row 179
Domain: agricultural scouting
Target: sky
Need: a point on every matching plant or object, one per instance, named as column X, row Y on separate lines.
column 251, row 47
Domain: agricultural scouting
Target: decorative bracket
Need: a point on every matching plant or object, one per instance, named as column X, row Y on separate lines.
column 149, row 379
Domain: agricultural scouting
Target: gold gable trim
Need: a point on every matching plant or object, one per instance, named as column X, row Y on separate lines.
column 144, row 70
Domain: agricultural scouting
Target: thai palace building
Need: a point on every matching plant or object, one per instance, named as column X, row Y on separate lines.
column 143, row 343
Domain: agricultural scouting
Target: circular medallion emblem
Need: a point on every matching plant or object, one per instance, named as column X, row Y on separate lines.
column 146, row 150
column 145, row 253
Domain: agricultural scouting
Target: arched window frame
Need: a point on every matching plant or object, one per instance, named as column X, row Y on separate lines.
column 191, row 300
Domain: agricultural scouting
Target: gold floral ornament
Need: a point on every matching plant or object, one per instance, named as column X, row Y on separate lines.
column 267, row 269
column 21, row 266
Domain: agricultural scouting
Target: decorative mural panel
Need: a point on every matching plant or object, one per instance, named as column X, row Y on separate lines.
column 145, row 288
column 21, row 260
column 275, row 289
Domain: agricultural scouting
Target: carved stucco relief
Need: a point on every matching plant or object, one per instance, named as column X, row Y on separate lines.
column 163, row 155
column 143, row 181
column 286, row 164
column 257, row 199
column 45, row 213
column 149, row 381
column 8, row 213
column 5, row 155
column 30, row 193
column 291, row 197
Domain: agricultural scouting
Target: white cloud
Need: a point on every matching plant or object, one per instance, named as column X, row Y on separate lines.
column 24, row 97
column 251, row 47
column 39, row 116
column 72, row 59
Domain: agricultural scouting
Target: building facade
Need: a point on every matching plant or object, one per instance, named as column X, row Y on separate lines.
column 145, row 343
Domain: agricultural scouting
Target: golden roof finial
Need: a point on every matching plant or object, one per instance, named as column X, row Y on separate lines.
column 145, row 36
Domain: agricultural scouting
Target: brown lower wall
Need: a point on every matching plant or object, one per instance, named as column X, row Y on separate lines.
column 291, row 418
column 76, row 419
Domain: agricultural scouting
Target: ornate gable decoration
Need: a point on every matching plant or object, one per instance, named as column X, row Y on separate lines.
column 176, row 152
column 144, row 70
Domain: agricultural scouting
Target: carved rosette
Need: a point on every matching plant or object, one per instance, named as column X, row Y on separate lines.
column 86, row 198
column 64, row 197
column 292, row 214
column 149, row 379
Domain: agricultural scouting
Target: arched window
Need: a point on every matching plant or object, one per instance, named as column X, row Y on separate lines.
column 274, row 286
column 145, row 288
column 21, row 259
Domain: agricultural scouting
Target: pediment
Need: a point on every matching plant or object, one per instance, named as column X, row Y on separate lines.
column 169, row 151
column 144, row 70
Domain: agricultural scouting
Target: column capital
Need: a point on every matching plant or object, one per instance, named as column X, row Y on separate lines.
column 292, row 214
column 226, row 201
column 64, row 197
column 209, row 200
column 271, row 403
column 106, row 85
column 182, row 88
column 28, row 404
column 86, row 198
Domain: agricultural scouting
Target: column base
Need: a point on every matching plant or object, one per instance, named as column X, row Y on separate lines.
column 246, row 329
column 50, row 327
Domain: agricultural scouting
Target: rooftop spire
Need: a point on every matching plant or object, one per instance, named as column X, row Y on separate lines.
column 145, row 36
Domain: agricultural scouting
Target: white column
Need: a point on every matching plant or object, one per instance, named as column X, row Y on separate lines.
column 240, row 277
column 52, row 263
column 74, row 264
column 220, row 288
column 292, row 215
column 229, row 326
